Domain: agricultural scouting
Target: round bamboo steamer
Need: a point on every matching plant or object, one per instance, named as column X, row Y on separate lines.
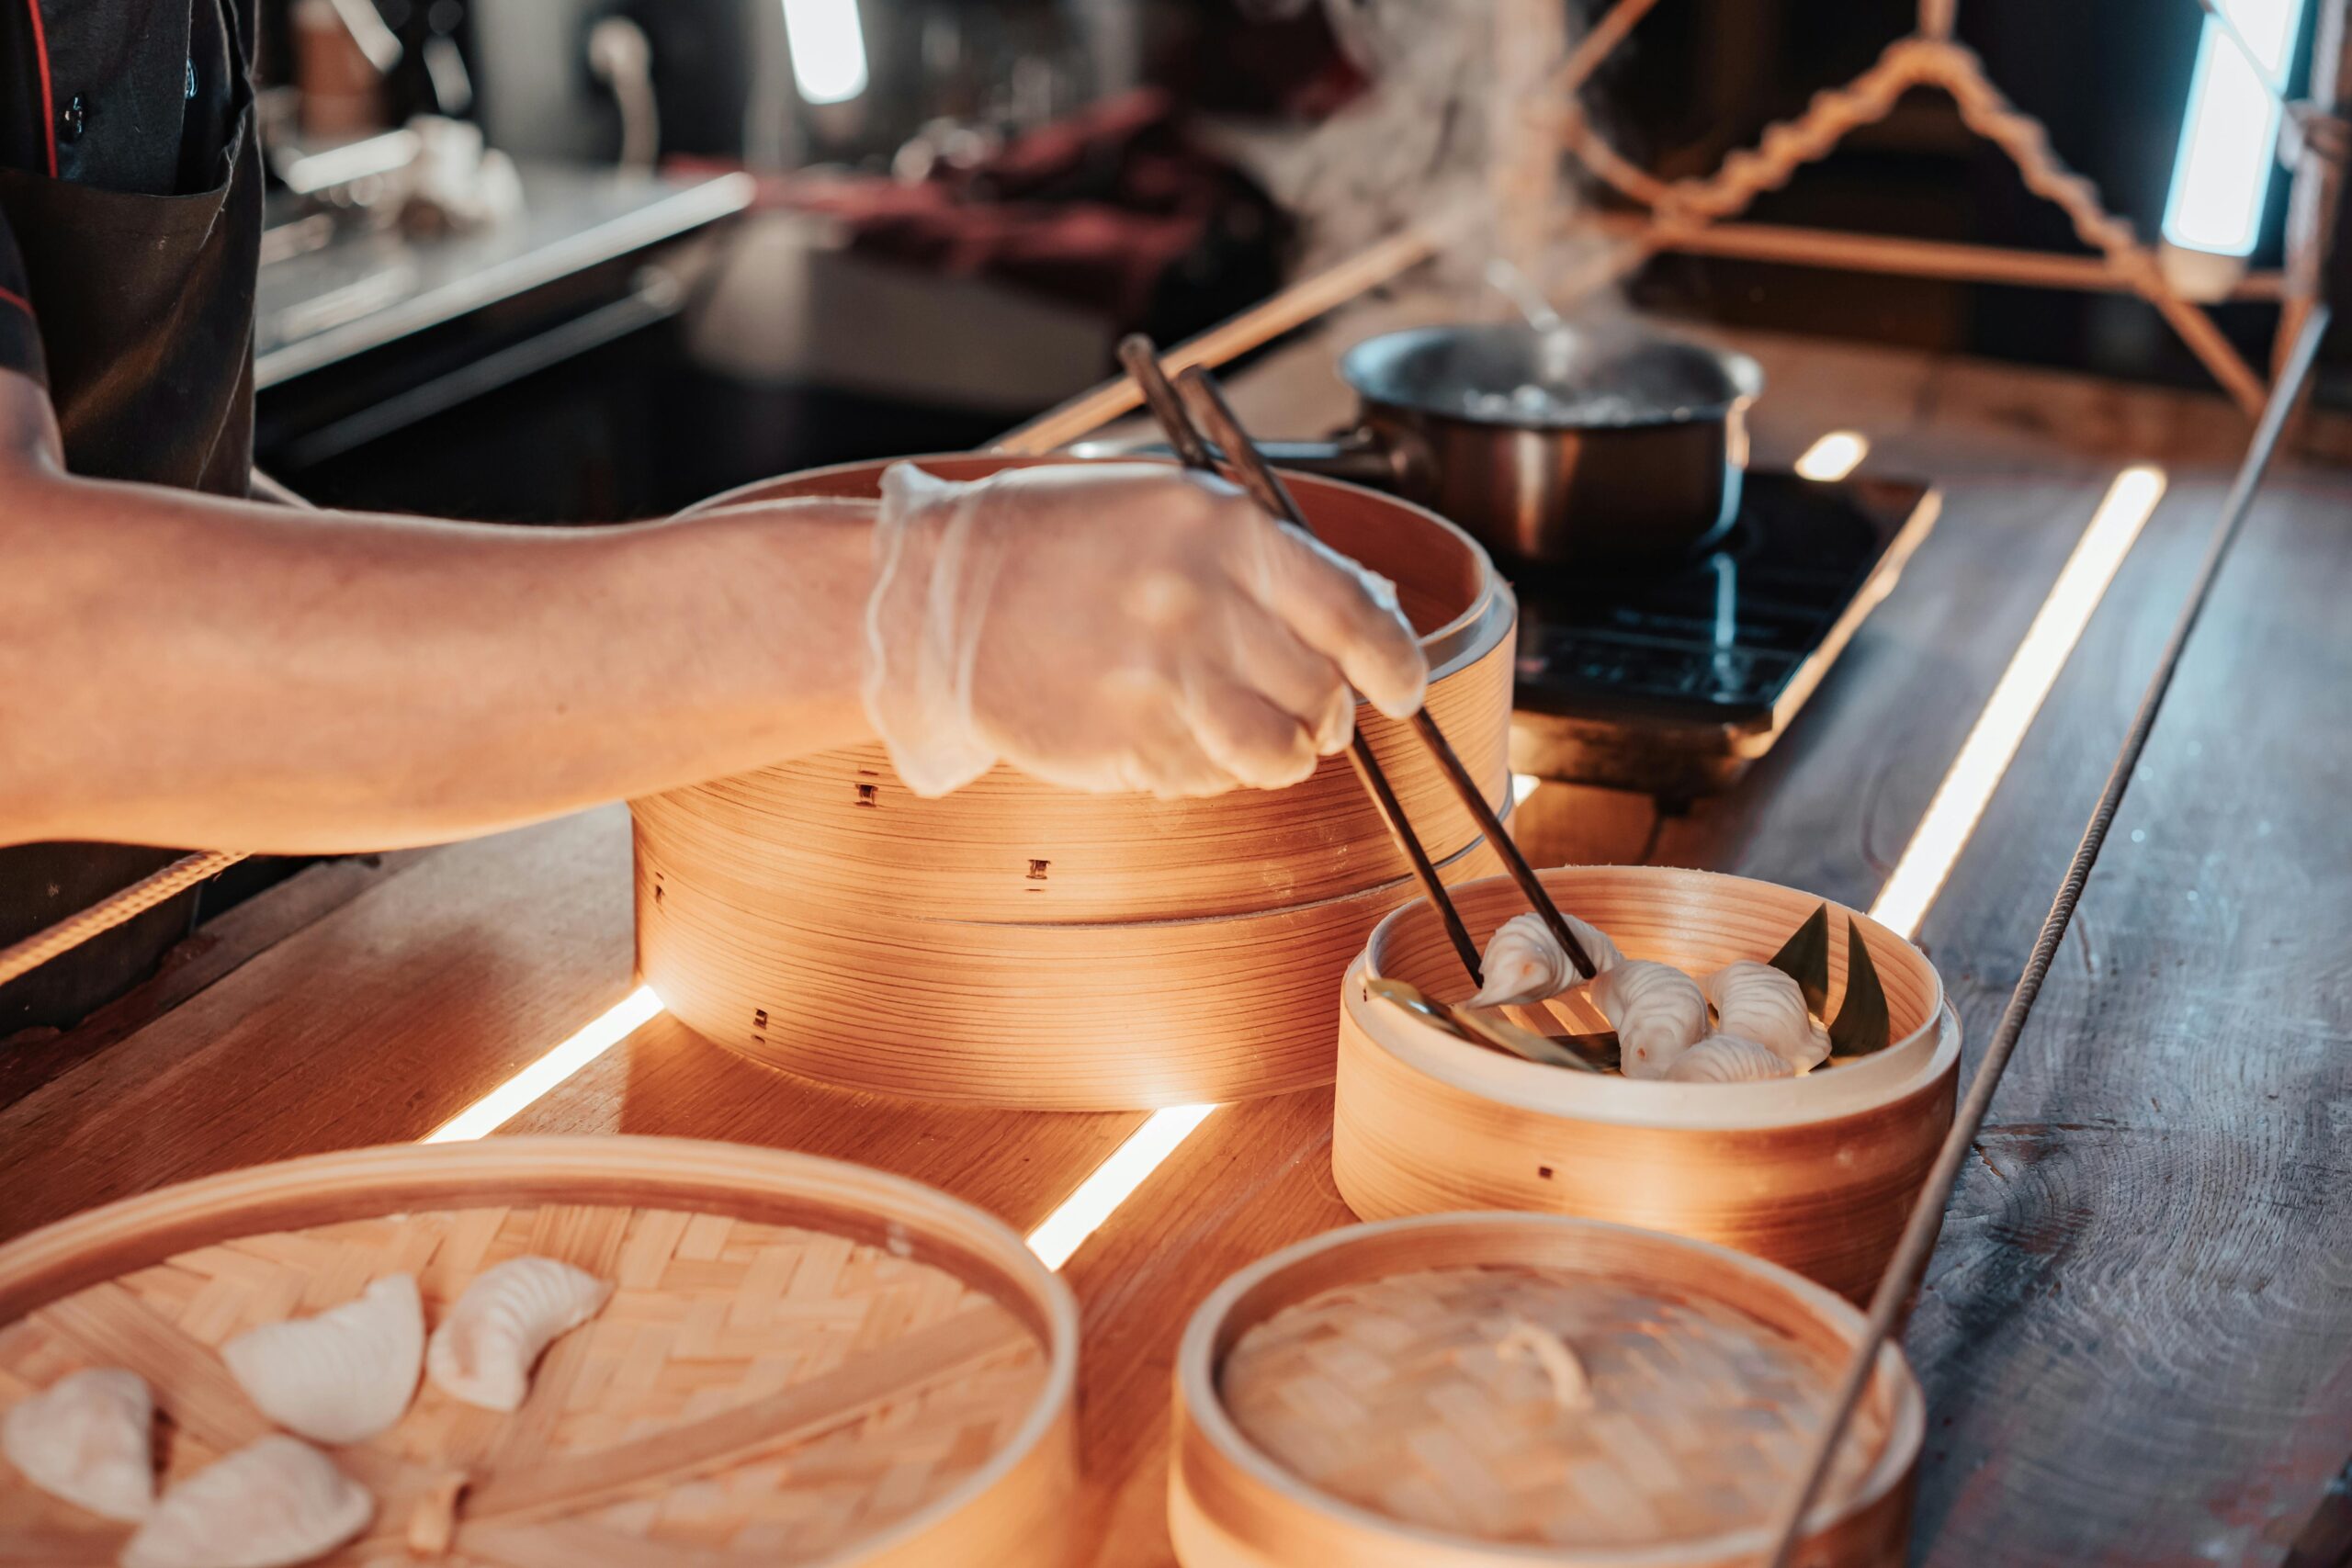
column 1132, row 1014
column 803, row 1362
column 1017, row 944
column 1817, row 1173
column 1689, row 1448
column 840, row 825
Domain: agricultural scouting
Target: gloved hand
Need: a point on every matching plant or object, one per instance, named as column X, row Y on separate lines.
column 1118, row 627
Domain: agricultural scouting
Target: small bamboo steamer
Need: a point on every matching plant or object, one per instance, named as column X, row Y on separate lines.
column 1817, row 1173
column 1017, row 944
column 804, row 1363
column 1232, row 1503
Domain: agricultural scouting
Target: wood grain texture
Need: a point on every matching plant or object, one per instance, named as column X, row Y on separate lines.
column 377, row 1024
column 2149, row 1268
column 2136, row 1329
column 33, row 1057
column 665, row 1079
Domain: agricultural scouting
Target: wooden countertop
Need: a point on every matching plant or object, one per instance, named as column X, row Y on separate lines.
column 2136, row 1340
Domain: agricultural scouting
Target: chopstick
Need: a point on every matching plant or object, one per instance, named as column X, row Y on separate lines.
column 1898, row 1287
column 1258, row 476
column 1142, row 362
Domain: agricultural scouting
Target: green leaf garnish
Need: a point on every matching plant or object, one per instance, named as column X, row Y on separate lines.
column 1805, row 958
column 1861, row 1025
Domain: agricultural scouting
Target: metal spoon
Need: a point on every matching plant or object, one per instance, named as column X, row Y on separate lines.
column 1585, row 1052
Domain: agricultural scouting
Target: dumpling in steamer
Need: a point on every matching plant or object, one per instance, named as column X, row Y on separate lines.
column 343, row 1376
column 1728, row 1058
column 1658, row 1011
column 88, row 1438
column 1524, row 963
column 273, row 1503
column 1757, row 1002
column 483, row 1351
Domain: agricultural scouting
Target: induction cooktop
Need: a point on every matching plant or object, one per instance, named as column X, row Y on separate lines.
column 1674, row 681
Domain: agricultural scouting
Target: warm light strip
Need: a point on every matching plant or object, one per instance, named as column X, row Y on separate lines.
column 1834, row 456
column 828, row 47
column 509, row 1100
column 1522, row 786
column 1985, row 756
column 1114, row 1182
column 2229, row 138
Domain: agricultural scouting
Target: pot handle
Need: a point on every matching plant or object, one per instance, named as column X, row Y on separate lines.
column 1358, row 455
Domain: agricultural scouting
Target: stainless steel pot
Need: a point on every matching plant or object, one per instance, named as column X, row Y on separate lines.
column 1602, row 447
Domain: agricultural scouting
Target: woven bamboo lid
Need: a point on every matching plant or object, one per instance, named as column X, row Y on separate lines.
column 802, row 1363
column 1489, row 1388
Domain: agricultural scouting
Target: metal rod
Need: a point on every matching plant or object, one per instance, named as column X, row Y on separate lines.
column 1141, row 357
column 1260, row 480
column 1142, row 362
column 1904, row 1272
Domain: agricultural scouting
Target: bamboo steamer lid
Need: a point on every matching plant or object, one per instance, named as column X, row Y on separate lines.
column 1475, row 1389
column 1817, row 1173
column 803, row 1361
column 1006, row 848
column 1017, row 944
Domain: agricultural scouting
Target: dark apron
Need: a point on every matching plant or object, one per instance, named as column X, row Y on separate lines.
column 145, row 305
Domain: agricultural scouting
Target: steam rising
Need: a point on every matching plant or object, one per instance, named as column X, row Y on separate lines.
column 1451, row 136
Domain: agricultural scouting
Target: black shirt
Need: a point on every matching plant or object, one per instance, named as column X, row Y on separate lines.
column 129, row 96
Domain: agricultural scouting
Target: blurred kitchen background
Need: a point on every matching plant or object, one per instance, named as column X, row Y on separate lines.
column 595, row 259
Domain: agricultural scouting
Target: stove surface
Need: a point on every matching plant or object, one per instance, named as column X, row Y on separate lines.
column 1675, row 681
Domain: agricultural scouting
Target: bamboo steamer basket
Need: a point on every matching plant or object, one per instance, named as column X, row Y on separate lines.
column 1709, row 1371
column 1013, row 944
column 804, row 1361
column 1817, row 1173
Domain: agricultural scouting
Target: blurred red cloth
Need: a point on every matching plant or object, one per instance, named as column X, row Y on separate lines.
column 1099, row 209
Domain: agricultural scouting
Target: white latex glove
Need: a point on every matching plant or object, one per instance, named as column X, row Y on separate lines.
column 1118, row 627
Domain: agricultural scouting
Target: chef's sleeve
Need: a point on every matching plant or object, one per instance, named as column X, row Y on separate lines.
column 19, row 328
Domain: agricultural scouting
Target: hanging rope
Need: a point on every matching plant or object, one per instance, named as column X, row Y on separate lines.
column 1903, row 1275
column 22, row 957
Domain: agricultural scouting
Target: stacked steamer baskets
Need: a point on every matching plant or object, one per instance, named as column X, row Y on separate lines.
column 1490, row 1390
column 1817, row 1172
column 801, row 1360
column 1014, row 944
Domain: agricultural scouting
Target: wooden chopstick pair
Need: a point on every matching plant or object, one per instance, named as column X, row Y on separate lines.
column 1257, row 476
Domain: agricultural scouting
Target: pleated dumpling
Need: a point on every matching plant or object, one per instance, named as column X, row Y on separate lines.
column 483, row 1351
column 89, row 1438
column 1757, row 1002
column 342, row 1376
column 1525, row 962
column 1658, row 1011
column 273, row 1503
column 1728, row 1058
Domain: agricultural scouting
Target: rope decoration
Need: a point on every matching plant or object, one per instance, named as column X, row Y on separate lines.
column 23, row 957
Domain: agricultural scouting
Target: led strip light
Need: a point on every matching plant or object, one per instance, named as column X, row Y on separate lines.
column 1960, row 800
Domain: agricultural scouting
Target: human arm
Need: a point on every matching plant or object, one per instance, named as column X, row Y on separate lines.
column 184, row 669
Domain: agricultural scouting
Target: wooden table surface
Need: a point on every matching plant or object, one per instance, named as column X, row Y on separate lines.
column 2136, row 1341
